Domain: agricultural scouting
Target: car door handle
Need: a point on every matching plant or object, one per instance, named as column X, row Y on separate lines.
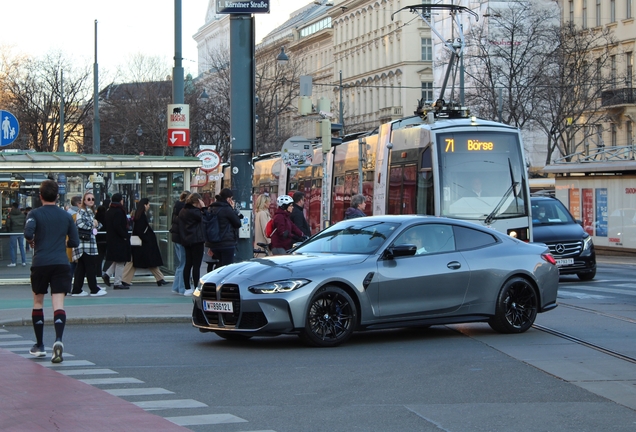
column 453, row 265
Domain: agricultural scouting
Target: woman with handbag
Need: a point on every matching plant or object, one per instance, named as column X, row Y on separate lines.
column 86, row 253
column 146, row 255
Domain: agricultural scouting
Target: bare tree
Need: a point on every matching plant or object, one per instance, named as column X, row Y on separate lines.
column 572, row 87
column 33, row 89
column 505, row 59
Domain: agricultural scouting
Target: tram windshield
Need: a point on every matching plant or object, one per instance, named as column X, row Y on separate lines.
column 482, row 175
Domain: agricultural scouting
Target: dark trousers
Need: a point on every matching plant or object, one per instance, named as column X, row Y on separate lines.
column 193, row 258
column 85, row 268
column 224, row 255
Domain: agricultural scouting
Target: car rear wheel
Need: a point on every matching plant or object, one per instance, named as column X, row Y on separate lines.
column 331, row 318
column 233, row 336
column 516, row 309
column 587, row 276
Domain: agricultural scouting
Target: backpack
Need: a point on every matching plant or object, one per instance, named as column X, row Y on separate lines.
column 269, row 229
column 212, row 228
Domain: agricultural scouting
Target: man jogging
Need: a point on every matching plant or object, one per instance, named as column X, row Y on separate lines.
column 46, row 230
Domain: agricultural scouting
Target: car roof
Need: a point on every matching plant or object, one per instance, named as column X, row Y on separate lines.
column 414, row 218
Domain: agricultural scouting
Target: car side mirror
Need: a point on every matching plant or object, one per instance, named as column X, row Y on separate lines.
column 400, row 250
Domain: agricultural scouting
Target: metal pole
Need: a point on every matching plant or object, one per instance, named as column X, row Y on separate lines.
column 96, row 131
column 242, row 108
column 61, row 146
column 177, row 70
column 325, row 190
column 340, row 108
column 500, row 108
column 361, row 145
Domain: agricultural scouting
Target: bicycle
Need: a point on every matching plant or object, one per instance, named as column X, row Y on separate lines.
column 262, row 250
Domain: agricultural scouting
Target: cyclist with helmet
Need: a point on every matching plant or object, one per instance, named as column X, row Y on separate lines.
column 285, row 231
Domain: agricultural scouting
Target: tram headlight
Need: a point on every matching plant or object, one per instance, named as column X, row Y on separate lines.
column 513, row 234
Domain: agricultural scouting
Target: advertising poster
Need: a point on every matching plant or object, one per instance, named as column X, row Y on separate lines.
column 601, row 212
column 588, row 210
column 575, row 203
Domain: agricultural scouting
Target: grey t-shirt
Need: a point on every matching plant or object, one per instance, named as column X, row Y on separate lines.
column 50, row 225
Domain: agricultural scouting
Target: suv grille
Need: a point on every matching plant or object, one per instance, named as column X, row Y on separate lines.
column 566, row 249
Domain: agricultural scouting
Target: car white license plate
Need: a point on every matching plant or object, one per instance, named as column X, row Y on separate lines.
column 565, row 261
column 217, row 306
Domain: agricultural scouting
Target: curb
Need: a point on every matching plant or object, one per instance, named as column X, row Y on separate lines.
column 125, row 319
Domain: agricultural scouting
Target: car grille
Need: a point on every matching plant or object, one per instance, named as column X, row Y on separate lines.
column 566, row 249
column 247, row 320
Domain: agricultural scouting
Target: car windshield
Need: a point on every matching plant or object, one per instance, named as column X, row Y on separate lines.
column 355, row 236
column 550, row 212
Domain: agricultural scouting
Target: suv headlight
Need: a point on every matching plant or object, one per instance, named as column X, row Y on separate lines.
column 587, row 243
column 278, row 286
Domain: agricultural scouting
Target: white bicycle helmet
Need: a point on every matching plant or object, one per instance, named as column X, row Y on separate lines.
column 284, row 200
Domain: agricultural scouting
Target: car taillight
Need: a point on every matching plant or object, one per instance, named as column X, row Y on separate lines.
column 549, row 258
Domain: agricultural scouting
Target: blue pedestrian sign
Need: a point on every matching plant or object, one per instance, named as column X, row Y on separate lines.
column 9, row 128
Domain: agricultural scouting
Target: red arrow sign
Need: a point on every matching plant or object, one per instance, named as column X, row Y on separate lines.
column 178, row 137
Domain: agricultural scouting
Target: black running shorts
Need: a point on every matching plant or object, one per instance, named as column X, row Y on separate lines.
column 58, row 276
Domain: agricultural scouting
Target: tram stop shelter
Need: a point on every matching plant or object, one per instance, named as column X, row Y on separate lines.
column 161, row 179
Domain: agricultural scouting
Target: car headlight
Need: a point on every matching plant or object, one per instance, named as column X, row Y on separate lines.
column 587, row 243
column 278, row 286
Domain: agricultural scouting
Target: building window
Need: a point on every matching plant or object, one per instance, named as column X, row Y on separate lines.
column 427, row 92
column 598, row 13
column 613, row 70
column 598, row 73
column 629, row 60
column 571, row 12
column 612, row 10
column 584, row 25
column 613, row 134
column 629, row 126
column 629, row 8
column 427, row 49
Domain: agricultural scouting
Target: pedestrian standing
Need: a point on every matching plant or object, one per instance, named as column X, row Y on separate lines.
column 192, row 235
column 85, row 255
column 148, row 255
column 298, row 214
column 15, row 223
column 117, row 238
column 285, row 231
column 229, row 223
column 357, row 206
column 100, row 238
column 179, row 251
column 261, row 218
column 46, row 231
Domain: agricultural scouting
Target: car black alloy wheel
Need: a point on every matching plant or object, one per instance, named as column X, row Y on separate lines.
column 331, row 318
column 517, row 306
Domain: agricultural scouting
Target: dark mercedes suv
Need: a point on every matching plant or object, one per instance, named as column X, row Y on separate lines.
column 570, row 245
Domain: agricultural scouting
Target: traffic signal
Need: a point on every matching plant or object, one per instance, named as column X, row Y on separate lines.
column 330, row 134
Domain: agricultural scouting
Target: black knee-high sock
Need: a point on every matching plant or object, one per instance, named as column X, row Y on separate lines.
column 59, row 320
column 37, row 317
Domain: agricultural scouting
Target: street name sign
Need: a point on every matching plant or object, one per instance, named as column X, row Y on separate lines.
column 242, row 6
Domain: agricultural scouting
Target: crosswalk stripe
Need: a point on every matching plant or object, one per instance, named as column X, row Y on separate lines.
column 68, row 363
column 205, row 419
column 138, row 391
column 87, row 372
column 48, row 355
column 100, row 381
column 170, row 404
column 20, row 342
column 9, row 336
column 4, row 331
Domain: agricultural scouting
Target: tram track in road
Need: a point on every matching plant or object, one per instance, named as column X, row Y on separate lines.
column 596, row 312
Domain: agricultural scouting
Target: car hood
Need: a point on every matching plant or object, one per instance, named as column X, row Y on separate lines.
column 557, row 232
column 282, row 267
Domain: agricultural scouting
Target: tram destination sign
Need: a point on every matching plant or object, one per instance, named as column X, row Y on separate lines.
column 242, row 6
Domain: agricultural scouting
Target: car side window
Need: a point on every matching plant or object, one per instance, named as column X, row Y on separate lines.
column 429, row 238
column 468, row 238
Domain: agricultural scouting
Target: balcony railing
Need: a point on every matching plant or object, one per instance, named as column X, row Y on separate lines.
column 618, row 97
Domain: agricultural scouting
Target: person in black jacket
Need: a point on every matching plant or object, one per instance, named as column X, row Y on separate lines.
column 117, row 238
column 179, row 250
column 229, row 223
column 192, row 237
column 298, row 215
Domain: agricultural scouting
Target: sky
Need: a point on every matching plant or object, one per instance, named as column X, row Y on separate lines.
column 125, row 28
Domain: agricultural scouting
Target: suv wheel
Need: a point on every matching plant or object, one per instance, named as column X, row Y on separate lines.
column 587, row 276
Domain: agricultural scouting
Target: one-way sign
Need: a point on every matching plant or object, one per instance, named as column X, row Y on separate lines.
column 9, row 128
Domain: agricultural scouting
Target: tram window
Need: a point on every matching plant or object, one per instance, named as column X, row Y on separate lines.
column 427, row 159
column 425, row 193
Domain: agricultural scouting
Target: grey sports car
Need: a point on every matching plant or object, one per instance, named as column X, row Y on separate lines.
column 381, row 272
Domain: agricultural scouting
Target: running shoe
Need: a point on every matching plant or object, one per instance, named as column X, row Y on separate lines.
column 37, row 351
column 101, row 292
column 11, row 265
column 80, row 294
column 188, row 292
column 58, row 349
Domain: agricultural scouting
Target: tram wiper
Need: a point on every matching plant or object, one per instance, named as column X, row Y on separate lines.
column 511, row 189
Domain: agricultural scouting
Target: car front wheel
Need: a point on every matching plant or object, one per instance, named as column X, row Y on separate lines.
column 587, row 276
column 516, row 309
column 331, row 318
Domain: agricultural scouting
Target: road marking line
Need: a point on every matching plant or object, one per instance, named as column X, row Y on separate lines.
column 100, row 381
column 20, row 342
column 87, row 372
column 10, row 336
column 170, row 404
column 138, row 391
column 205, row 419
column 68, row 363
